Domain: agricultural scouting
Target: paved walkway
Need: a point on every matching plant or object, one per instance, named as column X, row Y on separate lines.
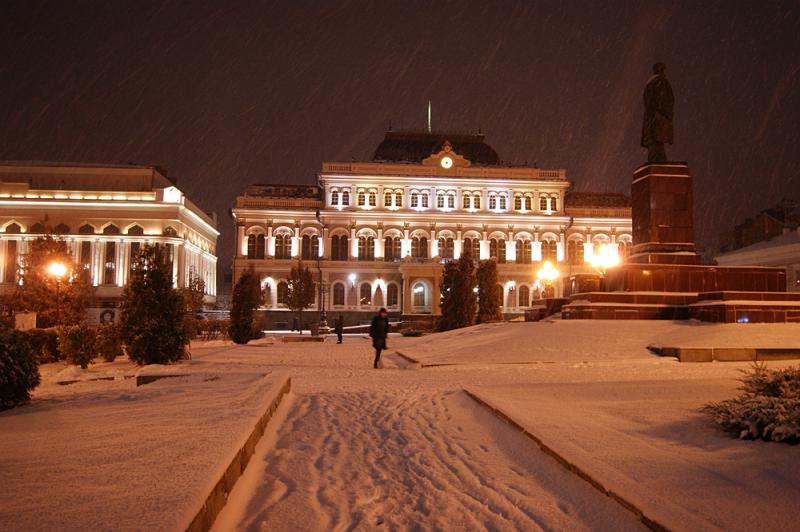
column 397, row 449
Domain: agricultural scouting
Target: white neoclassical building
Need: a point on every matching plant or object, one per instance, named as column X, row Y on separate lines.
column 377, row 233
column 105, row 213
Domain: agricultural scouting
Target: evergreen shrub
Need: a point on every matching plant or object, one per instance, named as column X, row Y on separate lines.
column 76, row 343
column 107, row 342
column 19, row 369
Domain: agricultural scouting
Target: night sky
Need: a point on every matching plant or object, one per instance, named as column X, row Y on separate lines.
column 224, row 94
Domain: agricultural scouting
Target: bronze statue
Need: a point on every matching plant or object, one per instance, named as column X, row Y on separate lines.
column 657, row 128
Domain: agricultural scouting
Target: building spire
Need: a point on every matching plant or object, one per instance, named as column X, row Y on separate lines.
column 429, row 116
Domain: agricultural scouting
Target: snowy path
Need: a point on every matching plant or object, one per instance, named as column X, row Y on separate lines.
column 389, row 450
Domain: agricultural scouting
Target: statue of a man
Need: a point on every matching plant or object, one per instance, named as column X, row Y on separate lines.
column 657, row 128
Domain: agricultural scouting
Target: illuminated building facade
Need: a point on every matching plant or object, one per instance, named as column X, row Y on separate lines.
column 105, row 213
column 378, row 232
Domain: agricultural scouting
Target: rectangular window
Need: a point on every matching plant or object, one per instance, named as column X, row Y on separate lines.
column 529, row 203
column 373, row 199
column 387, row 199
column 335, row 197
column 502, row 203
column 110, row 263
column 543, row 204
column 398, row 199
column 345, row 198
column 135, row 247
column 476, row 202
column 86, row 261
column 517, row 203
column 440, row 201
column 362, row 198
column 451, row 201
column 10, row 274
column 466, row 199
column 424, row 200
column 415, row 200
column 492, row 202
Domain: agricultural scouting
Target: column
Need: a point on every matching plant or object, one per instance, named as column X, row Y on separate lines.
column 296, row 242
column 457, row 245
column 241, row 240
column 353, row 244
column 560, row 248
column 323, row 244
column 270, row 242
column 379, row 245
column 433, row 245
column 511, row 248
column 484, row 246
column 536, row 248
column 405, row 245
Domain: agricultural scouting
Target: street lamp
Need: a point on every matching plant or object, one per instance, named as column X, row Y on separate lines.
column 547, row 274
column 57, row 270
column 602, row 260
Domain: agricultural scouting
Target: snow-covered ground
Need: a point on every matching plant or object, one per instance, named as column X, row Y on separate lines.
column 404, row 447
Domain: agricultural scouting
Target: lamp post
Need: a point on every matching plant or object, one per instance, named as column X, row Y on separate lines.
column 57, row 270
column 602, row 260
column 547, row 274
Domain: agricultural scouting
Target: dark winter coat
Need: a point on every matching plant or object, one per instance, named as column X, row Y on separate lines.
column 659, row 104
column 338, row 326
column 379, row 330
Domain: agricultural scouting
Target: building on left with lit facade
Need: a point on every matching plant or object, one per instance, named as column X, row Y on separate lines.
column 105, row 213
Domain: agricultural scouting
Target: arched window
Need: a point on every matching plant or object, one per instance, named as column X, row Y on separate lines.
column 86, row 229
column 549, row 250
column 362, row 198
column 251, row 246
column 440, row 200
column 575, row 252
column 398, row 199
column 338, row 294
column 492, row 201
column 497, row 250
column 13, row 229
column 554, row 203
column 62, row 229
column 365, row 294
column 502, row 202
column 472, row 246
column 391, row 248
column 465, row 199
column 419, row 247
column 446, row 248
column 476, row 201
column 424, row 199
column 543, row 203
column 387, row 199
column 282, row 293
column 518, row 202
column 414, row 199
column 136, row 230
column 524, row 296
column 283, row 247
column 345, row 198
column 373, row 199
column 366, row 248
column 419, row 295
column 112, row 229
column 168, row 231
column 392, row 295
column 451, row 200
column 334, row 197
column 528, row 203
column 523, row 251
column 310, row 247
column 339, row 247
column 623, row 249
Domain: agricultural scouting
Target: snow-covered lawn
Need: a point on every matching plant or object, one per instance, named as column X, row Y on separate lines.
column 106, row 455
column 404, row 447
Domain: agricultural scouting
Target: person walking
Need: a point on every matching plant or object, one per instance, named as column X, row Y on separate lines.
column 338, row 328
column 379, row 330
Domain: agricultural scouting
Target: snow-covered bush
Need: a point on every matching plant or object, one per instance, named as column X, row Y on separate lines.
column 246, row 298
column 768, row 409
column 107, row 342
column 44, row 343
column 76, row 343
column 19, row 369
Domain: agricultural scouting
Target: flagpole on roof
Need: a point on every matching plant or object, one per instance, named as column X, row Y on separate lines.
column 429, row 116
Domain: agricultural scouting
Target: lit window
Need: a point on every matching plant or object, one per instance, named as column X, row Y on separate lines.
column 373, row 199
column 492, row 201
column 451, row 201
column 440, row 201
column 335, row 197
column 345, row 198
column 543, row 203
column 518, row 203
column 387, row 199
column 362, row 198
column 414, row 199
column 476, row 201
column 424, row 200
column 502, row 203
column 398, row 199
column 466, row 199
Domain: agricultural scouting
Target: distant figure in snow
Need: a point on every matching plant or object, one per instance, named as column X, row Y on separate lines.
column 379, row 330
column 295, row 324
column 338, row 328
column 657, row 126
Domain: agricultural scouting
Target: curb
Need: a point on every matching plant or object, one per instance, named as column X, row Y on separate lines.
column 216, row 500
column 407, row 358
column 569, row 466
